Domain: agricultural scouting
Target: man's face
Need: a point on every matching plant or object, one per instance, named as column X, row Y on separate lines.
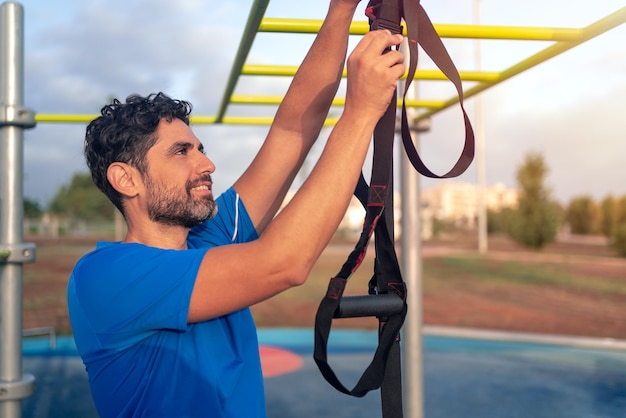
column 178, row 181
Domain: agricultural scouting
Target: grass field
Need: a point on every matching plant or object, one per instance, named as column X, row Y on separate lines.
column 568, row 288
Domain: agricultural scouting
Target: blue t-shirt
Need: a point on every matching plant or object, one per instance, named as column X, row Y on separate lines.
column 128, row 307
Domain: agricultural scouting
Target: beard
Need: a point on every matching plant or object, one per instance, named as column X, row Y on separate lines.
column 175, row 207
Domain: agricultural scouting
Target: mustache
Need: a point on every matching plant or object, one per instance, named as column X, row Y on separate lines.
column 206, row 178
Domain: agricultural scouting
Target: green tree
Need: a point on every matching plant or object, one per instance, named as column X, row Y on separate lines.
column 582, row 215
column 536, row 220
column 81, row 199
column 608, row 216
column 499, row 221
column 620, row 210
column 32, row 209
column 618, row 240
column 618, row 235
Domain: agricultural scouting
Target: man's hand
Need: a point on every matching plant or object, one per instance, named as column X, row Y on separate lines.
column 373, row 73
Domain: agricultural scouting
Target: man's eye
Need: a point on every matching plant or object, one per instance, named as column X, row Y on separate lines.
column 181, row 151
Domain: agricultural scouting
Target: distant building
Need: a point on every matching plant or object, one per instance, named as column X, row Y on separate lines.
column 452, row 201
column 458, row 202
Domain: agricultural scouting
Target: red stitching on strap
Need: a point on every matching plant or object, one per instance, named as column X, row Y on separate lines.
column 377, row 195
column 335, row 288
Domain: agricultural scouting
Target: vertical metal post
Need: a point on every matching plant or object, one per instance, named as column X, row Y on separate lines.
column 14, row 386
column 479, row 129
column 411, row 259
column 411, row 265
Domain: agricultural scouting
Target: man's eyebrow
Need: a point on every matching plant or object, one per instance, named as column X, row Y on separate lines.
column 178, row 145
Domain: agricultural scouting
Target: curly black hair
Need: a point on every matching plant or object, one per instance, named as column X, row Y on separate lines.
column 125, row 132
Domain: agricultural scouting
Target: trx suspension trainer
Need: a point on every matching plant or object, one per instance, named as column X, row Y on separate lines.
column 386, row 299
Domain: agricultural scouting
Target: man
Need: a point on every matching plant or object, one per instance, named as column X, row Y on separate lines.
column 161, row 319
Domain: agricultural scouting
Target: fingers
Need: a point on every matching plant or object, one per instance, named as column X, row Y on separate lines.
column 373, row 72
column 378, row 40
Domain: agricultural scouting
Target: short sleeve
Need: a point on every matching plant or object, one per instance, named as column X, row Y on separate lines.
column 147, row 296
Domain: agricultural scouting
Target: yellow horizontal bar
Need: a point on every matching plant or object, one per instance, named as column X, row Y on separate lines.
column 239, row 120
column 290, row 71
column 270, row 70
column 197, row 120
column 246, row 120
column 203, row 120
column 520, row 33
column 256, row 100
column 57, row 118
column 338, row 101
column 426, row 104
column 282, row 25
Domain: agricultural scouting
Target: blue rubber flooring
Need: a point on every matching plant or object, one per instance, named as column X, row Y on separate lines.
column 462, row 378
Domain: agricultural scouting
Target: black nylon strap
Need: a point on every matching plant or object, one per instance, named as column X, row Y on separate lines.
column 374, row 220
column 377, row 198
column 420, row 30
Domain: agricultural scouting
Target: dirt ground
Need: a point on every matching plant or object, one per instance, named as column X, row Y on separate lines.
column 458, row 302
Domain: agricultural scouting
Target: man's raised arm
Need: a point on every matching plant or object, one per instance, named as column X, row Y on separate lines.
column 299, row 118
column 232, row 277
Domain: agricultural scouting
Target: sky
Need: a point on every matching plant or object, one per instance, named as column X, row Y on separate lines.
column 571, row 109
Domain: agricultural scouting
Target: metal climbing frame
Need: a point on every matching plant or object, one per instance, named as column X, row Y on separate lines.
column 562, row 40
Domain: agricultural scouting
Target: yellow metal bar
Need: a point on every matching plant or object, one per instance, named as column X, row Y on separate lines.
column 270, row 70
column 246, row 120
column 201, row 120
column 240, row 120
column 197, row 120
column 281, row 25
column 290, row 71
column 250, row 99
column 57, row 118
column 426, row 104
column 338, row 101
column 528, row 33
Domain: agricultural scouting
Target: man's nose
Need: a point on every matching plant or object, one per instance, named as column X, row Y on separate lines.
column 205, row 164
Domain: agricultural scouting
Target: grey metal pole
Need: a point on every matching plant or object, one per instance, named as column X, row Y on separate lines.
column 411, row 265
column 479, row 130
column 14, row 118
column 411, row 260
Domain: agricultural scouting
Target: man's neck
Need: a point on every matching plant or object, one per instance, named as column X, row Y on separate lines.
column 159, row 236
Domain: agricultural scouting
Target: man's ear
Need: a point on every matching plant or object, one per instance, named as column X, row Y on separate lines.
column 124, row 178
